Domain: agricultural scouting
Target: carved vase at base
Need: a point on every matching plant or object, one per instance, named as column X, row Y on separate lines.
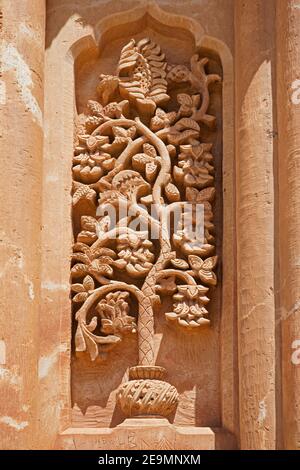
column 145, row 394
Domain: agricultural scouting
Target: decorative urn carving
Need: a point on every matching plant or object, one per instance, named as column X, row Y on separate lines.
column 145, row 394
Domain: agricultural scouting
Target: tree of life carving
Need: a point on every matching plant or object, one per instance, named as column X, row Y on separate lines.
column 132, row 151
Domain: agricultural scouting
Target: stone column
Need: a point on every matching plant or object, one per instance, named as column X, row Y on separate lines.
column 288, row 100
column 255, row 222
column 22, row 32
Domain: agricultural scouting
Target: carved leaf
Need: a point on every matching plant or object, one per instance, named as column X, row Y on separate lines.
column 172, row 192
column 184, row 99
column 120, row 263
column 151, row 170
column 119, row 131
column 87, row 237
column 130, row 183
column 77, row 288
column 187, row 123
column 149, row 150
column 124, row 133
column 88, row 223
column 204, row 268
column 95, row 108
column 91, row 346
column 99, row 268
column 92, row 122
column 179, row 263
column 80, row 343
column 140, row 160
column 162, row 119
column 193, row 195
column 171, row 315
column 84, row 192
column 105, row 260
column 111, row 196
column 80, row 257
column 81, row 247
column 178, row 138
column 210, row 263
column 160, row 113
column 88, row 283
column 198, row 178
column 104, row 252
column 93, row 324
column 208, row 276
column 80, row 297
column 195, row 262
column 79, row 270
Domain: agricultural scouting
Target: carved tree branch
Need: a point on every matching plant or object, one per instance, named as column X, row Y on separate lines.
column 180, row 274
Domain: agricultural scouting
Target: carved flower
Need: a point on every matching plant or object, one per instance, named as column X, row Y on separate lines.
column 147, row 162
column 90, row 162
column 97, row 262
column 100, row 114
column 113, row 311
column 189, row 306
column 162, row 119
column 90, row 143
column 88, row 234
column 107, row 87
column 131, row 184
column 205, row 197
column 96, row 118
column 187, row 236
column 194, row 166
column 178, row 73
column 83, row 290
column 121, row 138
column 136, row 252
column 89, row 168
column 188, row 104
column 184, row 130
column 84, row 192
column 189, row 244
column 116, row 110
column 91, row 122
column 204, row 269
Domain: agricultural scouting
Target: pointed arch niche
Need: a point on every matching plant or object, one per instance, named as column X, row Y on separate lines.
column 201, row 364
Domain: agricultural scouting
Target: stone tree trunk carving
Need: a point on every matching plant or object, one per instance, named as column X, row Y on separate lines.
column 137, row 151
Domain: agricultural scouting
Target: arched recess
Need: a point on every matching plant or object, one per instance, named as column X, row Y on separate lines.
column 73, row 51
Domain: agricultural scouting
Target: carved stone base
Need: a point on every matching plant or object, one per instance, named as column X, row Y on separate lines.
column 139, row 434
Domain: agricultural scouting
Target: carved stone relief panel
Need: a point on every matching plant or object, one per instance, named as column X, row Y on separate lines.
column 143, row 175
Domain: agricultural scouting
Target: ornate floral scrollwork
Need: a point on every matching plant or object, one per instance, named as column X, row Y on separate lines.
column 136, row 151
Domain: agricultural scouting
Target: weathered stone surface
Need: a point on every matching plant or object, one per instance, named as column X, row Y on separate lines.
column 139, row 434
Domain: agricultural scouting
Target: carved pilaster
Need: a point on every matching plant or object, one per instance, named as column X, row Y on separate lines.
column 255, row 223
column 288, row 68
column 22, row 32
